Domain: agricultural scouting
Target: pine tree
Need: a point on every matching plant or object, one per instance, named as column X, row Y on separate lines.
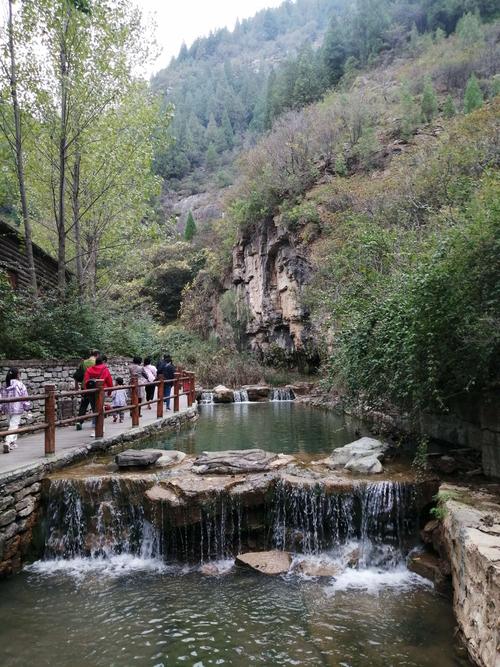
column 211, row 157
column 473, row 98
column 449, row 107
column 227, row 130
column 190, row 229
column 429, row 105
column 470, row 30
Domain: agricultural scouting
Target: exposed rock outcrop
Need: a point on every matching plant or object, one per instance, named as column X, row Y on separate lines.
column 270, row 270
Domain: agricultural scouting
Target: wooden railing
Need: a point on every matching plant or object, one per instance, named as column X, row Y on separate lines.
column 183, row 384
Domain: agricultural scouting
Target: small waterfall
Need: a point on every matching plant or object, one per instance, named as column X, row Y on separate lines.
column 207, row 398
column 109, row 516
column 240, row 396
column 379, row 516
column 97, row 517
column 282, row 394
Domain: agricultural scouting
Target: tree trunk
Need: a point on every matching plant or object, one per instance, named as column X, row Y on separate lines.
column 19, row 158
column 76, row 223
column 61, row 222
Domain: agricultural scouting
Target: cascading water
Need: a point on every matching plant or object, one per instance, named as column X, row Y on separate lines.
column 207, row 398
column 378, row 518
column 104, row 517
column 97, row 517
column 240, row 396
column 282, row 394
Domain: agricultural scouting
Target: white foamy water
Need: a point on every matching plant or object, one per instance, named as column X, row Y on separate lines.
column 375, row 580
column 115, row 566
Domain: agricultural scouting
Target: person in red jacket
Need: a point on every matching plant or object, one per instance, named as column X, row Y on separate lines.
column 97, row 372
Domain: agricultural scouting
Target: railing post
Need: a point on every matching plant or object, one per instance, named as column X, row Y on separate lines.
column 134, row 412
column 177, row 388
column 99, row 408
column 190, row 390
column 193, row 388
column 160, row 395
column 50, row 419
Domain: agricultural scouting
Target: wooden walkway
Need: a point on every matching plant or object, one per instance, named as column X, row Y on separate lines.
column 30, row 448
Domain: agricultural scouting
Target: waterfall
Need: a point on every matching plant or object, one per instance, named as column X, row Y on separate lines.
column 240, row 396
column 207, row 398
column 109, row 516
column 282, row 394
column 97, row 517
column 380, row 517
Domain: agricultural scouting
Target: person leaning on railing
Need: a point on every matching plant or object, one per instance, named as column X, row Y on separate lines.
column 14, row 388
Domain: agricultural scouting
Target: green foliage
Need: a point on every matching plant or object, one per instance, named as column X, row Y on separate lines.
column 410, row 113
column 449, row 107
column 439, row 512
column 429, row 105
column 473, row 97
column 470, row 30
column 190, row 229
column 420, row 462
column 49, row 327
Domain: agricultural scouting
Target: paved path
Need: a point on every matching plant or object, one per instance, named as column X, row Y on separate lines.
column 30, row 448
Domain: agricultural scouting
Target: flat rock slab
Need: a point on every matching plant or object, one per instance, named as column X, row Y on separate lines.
column 138, row 458
column 267, row 562
column 233, row 462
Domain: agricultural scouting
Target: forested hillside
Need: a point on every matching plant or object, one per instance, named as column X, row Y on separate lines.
column 349, row 158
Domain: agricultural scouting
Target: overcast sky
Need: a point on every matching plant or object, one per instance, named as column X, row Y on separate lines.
column 185, row 20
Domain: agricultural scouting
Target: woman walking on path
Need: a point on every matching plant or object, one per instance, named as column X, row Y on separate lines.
column 14, row 388
column 151, row 372
column 137, row 370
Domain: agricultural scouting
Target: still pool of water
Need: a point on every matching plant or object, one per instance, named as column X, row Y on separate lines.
column 128, row 612
column 285, row 427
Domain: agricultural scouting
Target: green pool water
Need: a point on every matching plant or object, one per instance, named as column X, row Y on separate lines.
column 118, row 614
column 286, row 427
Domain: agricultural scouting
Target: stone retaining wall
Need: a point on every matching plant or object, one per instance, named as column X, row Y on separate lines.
column 20, row 490
column 36, row 373
column 471, row 530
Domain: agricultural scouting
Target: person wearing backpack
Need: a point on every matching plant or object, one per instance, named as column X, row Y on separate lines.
column 98, row 371
column 79, row 374
column 14, row 388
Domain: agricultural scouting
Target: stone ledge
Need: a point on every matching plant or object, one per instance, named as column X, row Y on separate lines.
column 472, row 536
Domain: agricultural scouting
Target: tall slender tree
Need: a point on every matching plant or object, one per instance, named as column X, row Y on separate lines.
column 13, row 130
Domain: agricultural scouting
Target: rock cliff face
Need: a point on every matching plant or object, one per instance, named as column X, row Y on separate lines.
column 270, row 270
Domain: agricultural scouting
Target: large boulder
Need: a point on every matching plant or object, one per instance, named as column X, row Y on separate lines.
column 257, row 392
column 267, row 562
column 233, row 461
column 223, row 394
column 138, row 458
column 366, row 465
column 363, row 456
